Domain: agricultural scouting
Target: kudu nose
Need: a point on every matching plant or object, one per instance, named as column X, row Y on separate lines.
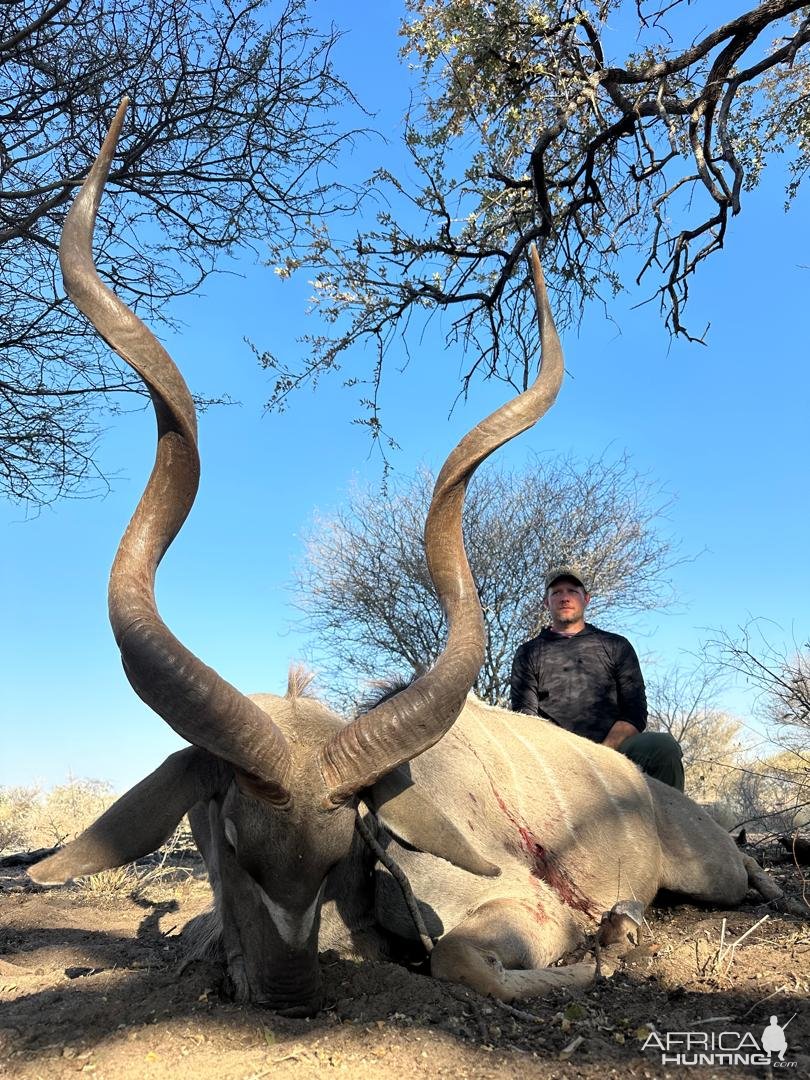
column 298, row 1012
column 297, row 995
column 308, row 1005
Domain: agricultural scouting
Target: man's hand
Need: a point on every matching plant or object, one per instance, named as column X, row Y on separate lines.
column 620, row 731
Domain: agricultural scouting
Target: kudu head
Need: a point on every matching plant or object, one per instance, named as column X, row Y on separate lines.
column 273, row 783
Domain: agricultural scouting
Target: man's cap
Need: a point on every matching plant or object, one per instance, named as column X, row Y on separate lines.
column 572, row 572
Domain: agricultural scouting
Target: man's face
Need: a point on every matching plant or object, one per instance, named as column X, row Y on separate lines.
column 567, row 602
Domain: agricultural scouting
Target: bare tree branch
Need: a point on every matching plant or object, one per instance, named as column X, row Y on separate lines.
column 235, row 126
column 528, row 130
column 781, row 679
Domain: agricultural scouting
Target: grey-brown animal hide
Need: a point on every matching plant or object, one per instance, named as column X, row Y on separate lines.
column 574, row 826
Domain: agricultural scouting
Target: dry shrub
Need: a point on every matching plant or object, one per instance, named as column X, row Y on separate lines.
column 18, row 806
column 32, row 818
column 683, row 700
column 713, row 754
column 68, row 809
column 776, row 791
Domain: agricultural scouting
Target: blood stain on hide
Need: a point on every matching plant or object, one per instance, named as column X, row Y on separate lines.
column 536, row 912
column 544, row 865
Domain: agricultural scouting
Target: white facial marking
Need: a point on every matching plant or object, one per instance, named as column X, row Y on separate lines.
column 293, row 928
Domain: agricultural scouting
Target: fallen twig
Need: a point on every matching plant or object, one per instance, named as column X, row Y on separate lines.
column 709, row 1020
column 728, row 952
column 568, row 1050
column 520, row 1014
column 766, row 998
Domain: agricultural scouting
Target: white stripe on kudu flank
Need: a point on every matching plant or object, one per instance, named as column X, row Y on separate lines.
column 552, row 785
column 598, row 778
column 496, row 745
column 293, row 928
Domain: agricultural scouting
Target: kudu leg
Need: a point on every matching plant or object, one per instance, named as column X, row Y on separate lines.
column 698, row 858
column 706, row 877
column 503, row 949
column 759, row 880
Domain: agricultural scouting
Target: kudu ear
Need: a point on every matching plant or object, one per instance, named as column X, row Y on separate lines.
column 140, row 821
column 413, row 818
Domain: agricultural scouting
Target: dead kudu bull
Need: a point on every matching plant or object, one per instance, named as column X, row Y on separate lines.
column 539, row 831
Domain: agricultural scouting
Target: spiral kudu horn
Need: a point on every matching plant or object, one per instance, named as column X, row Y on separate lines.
column 417, row 717
column 191, row 697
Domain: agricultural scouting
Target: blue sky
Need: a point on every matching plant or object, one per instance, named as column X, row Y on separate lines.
column 722, row 427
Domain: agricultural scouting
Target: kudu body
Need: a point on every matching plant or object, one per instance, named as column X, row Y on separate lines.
column 516, row 835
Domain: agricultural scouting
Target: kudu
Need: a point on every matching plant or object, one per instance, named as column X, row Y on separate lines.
column 516, row 835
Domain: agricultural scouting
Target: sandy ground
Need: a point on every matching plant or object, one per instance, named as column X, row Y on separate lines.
column 89, row 985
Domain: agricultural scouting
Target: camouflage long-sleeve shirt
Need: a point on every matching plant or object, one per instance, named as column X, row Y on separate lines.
column 585, row 682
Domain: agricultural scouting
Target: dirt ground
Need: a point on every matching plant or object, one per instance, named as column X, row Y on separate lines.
column 89, row 984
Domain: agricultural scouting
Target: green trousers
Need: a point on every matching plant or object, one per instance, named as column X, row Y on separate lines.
column 657, row 754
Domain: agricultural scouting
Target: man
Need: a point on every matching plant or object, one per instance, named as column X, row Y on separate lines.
column 589, row 681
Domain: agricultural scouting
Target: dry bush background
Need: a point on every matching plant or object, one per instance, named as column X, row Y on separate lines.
column 17, row 807
column 724, row 765
column 32, row 818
